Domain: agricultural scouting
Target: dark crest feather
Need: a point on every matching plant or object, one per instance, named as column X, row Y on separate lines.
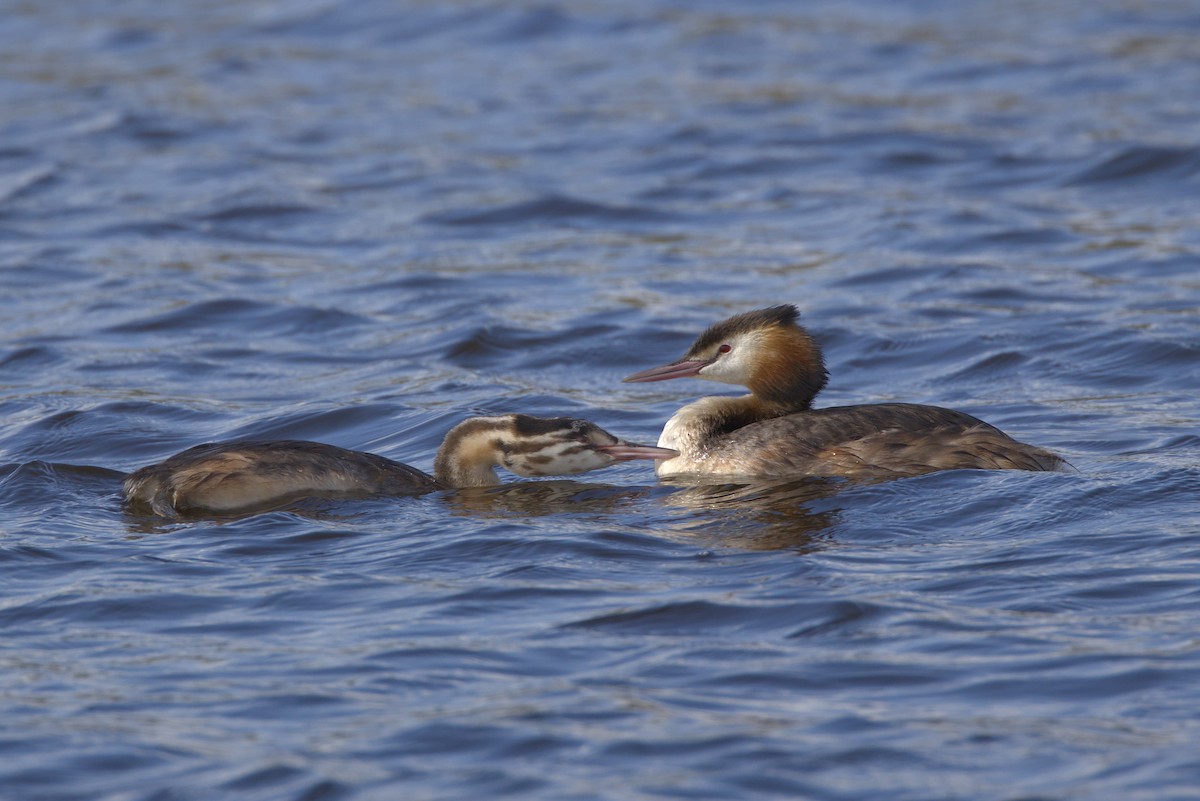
column 785, row 315
column 528, row 426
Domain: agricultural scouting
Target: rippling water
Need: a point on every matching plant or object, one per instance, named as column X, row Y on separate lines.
column 362, row 222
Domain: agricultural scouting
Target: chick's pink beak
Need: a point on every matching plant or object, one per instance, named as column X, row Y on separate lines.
column 626, row 451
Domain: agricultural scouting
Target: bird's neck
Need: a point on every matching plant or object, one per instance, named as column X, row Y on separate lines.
column 468, row 455
column 789, row 370
column 693, row 428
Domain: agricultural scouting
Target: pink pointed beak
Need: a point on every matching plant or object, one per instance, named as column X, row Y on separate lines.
column 627, row 451
column 684, row 369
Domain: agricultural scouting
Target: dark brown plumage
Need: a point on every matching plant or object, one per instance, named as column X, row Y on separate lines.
column 874, row 440
column 235, row 475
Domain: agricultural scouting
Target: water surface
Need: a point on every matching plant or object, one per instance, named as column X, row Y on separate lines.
column 360, row 223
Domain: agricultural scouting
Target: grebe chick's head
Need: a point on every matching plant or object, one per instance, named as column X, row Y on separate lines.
column 531, row 446
column 765, row 350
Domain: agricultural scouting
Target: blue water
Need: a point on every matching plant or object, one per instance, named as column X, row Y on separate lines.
column 362, row 222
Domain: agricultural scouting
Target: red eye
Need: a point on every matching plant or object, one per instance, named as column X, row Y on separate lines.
column 724, row 349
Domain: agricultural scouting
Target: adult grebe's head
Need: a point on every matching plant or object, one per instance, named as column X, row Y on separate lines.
column 531, row 446
column 765, row 350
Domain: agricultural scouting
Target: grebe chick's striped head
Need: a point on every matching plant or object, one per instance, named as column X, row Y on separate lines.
column 531, row 446
column 766, row 351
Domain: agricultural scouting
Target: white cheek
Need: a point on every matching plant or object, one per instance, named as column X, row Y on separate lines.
column 735, row 367
column 563, row 463
column 732, row 368
column 584, row 461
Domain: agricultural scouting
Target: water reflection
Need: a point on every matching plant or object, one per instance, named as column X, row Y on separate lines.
column 541, row 498
column 141, row 519
column 777, row 514
column 767, row 514
column 517, row 500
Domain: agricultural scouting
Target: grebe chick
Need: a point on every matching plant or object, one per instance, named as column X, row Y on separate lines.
column 774, row 431
column 236, row 476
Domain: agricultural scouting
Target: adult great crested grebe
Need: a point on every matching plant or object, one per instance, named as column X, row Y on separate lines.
column 235, row 476
column 774, row 431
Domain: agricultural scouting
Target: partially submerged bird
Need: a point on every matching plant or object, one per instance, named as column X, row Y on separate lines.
column 237, row 476
column 774, row 431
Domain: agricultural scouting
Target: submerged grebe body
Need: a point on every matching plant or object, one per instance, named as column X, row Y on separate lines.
column 774, row 431
column 233, row 476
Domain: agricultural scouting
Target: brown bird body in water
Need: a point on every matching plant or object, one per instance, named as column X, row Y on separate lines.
column 774, row 431
column 235, row 476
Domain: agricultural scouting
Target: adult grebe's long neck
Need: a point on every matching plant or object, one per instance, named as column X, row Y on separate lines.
column 699, row 425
